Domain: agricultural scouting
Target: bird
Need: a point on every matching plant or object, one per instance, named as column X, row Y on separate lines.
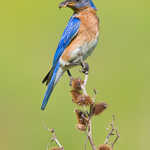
column 77, row 42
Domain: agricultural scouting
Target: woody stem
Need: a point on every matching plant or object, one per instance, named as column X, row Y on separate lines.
column 89, row 135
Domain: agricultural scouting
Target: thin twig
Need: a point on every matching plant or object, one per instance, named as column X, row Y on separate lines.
column 48, row 145
column 113, row 132
column 85, row 143
column 116, row 139
column 54, row 138
column 89, row 135
column 83, row 86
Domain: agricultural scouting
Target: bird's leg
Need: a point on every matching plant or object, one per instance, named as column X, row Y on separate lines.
column 85, row 70
column 85, row 67
column 70, row 76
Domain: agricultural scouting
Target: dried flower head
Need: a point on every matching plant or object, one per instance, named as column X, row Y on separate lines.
column 82, row 117
column 57, row 148
column 75, row 94
column 76, row 84
column 84, row 100
column 104, row 147
column 99, row 108
column 81, row 127
column 80, row 99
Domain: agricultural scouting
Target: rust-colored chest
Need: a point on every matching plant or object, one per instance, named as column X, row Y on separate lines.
column 89, row 23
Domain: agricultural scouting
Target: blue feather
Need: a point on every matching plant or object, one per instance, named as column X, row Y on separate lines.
column 92, row 4
column 68, row 34
column 50, row 87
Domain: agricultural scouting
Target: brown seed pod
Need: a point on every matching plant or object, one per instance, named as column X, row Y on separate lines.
column 99, row 108
column 76, row 84
column 75, row 94
column 81, row 127
column 84, row 100
column 82, row 117
column 104, row 147
column 80, row 99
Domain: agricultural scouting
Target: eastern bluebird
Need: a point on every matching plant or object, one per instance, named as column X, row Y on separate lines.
column 78, row 40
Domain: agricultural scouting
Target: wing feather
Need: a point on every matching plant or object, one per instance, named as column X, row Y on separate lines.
column 69, row 33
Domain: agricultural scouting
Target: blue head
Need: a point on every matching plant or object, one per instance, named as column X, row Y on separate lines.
column 77, row 4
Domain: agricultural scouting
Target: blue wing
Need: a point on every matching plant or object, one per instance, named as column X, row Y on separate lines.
column 69, row 33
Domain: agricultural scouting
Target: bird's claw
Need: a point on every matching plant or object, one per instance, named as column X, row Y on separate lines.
column 70, row 76
column 85, row 68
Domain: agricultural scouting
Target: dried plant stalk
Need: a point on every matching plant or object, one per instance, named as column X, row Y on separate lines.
column 84, row 122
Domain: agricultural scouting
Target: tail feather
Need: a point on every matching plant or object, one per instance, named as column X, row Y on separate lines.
column 48, row 76
column 57, row 73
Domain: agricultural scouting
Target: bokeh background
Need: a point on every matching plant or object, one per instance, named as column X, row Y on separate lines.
column 120, row 71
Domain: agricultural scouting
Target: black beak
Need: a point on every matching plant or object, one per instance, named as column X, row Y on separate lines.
column 63, row 4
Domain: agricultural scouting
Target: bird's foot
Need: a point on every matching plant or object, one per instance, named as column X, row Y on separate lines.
column 85, row 68
column 70, row 76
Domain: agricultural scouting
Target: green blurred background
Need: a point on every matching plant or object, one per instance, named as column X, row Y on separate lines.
column 120, row 71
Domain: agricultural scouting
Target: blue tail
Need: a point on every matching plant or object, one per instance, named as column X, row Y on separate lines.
column 57, row 73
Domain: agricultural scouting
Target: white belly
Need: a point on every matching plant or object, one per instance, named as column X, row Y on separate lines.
column 80, row 52
column 88, row 48
column 84, row 51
